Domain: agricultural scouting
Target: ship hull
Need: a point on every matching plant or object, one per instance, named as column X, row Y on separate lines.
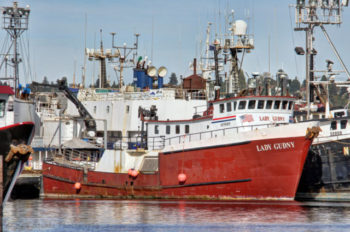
column 16, row 134
column 267, row 169
column 326, row 174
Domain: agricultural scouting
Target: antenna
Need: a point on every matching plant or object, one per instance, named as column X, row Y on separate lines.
column 122, row 52
column 269, row 52
column 85, row 55
column 75, row 67
column 152, row 58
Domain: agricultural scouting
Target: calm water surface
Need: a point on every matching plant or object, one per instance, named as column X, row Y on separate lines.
column 138, row 215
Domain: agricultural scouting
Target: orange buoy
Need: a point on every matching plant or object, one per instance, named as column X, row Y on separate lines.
column 182, row 178
column 134, row 173
column 30, row 158
column 77, row 185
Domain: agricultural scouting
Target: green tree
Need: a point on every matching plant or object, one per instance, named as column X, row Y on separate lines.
column 294, row 86
column 45, row 81
column 241, row 80
column 114, row 85
column 303, row 85
column 97, row 83
column 173, row 79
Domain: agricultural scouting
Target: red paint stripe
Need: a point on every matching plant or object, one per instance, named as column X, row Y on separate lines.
column 16, row 124
column 225, row 117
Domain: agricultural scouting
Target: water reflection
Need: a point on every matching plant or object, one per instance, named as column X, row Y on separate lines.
column 135, row 215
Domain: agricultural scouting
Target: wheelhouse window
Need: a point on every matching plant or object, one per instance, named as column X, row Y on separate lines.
column 187, row 129
column 277, row 105
column 156, row 129
column 222, row 108
column 234, row 105
column 251, row 104
column 284, row 105
column 343, row 124
column 229, row 106
column 242, row 105
column 334, row 125
column 167, row 129
column 269, row 104
column 339, row 114
column 290, row 105
column 2, row 108
column 177, row 129
column 261, row 104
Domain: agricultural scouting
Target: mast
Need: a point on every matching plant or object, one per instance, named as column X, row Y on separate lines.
column 123, row 53
column 15, row 22
column 101, row 55
column 84, row 67
column 103, row 78
column 308, row 16
column 216, row 62
column 206, row 68
column 240, row 43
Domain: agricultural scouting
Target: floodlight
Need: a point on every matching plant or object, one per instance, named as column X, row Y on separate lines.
column 299, row 51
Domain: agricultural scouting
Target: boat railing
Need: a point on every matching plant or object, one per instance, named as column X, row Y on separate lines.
column 165, row 93
column 98, row 142
column 77, row 157
column 151, row 143
column 38, row 141
column 197, row 94
column 214, row 133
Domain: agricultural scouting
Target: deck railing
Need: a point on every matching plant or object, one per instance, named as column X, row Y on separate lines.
column 159, row 142
column 150, row 143
column 214, row 133
column 77, row 157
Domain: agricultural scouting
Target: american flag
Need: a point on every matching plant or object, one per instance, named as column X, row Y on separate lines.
column 247, row 118
column 291, row 119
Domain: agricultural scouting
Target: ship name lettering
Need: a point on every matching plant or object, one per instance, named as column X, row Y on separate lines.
column 277, row 118
column 282, row 146
column 275, row 146
column 264, row 118
column 264, row 147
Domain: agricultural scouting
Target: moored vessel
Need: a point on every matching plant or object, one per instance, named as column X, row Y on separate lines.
column 326, row 172
column 205, row 157
column 237, row 148
column 16, row 110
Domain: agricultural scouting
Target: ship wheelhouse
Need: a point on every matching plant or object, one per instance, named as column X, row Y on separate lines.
column 230, row 115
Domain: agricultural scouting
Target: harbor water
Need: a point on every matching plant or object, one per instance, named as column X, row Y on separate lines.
column 155, row 215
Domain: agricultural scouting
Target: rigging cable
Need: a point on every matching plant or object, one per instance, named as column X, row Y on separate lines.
column 24, row 63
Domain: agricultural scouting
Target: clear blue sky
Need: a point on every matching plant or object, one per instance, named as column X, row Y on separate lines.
column 56, row 34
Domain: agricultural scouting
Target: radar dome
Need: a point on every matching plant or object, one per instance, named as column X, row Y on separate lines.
column 240, row 27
